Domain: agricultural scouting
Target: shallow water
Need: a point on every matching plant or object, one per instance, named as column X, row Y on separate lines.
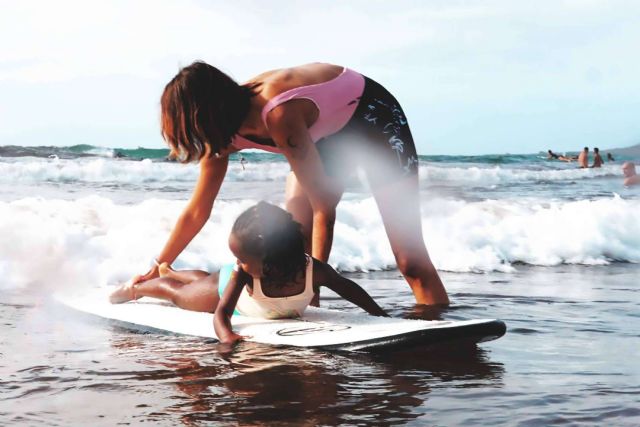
column 569, row 357
column 558, row 250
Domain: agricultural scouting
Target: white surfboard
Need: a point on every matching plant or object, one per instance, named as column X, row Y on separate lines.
column 319, row 327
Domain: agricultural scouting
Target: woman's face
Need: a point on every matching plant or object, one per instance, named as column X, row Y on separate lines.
column 251, row 264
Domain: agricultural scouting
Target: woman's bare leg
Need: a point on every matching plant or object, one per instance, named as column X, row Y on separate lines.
column 199, row 295
column 399, row 205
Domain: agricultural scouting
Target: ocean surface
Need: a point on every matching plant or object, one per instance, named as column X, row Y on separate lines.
column 551, row 249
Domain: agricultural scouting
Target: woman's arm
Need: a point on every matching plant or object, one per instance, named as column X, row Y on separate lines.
column 226, row 306
column 289, row 129
column 195, row 214
column 325, row 275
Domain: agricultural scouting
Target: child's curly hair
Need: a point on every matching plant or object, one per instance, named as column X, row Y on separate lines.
column 269, row 232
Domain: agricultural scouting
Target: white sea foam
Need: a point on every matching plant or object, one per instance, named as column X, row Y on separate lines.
column 94, row 241
column 485, row 176
column 492, row 235
column 101, row 151
column 102, row 170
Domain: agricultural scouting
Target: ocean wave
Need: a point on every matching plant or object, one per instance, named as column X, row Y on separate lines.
column 95, row 241
column 104, row 169
column 82, row 150
column 487, row 176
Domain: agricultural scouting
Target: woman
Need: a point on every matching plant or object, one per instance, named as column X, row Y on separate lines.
column 327, row 121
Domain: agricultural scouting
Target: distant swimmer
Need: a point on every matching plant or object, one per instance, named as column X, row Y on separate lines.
column 553, row 156
column 597, row 159
column 583, row 158
column 610, row 158
column 630, row 176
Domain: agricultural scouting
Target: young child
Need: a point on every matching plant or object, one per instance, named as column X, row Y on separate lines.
column 272, row 278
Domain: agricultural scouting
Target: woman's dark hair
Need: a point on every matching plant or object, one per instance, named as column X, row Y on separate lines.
column 268, row 232
column 202, row 106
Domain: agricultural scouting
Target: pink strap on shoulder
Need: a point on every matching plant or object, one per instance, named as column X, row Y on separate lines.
column 310, row 92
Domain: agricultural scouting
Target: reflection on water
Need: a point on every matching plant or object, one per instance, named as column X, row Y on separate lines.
column 252, row 383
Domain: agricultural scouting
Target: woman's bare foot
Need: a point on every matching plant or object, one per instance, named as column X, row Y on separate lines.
column 124, row 293
column 165, row 269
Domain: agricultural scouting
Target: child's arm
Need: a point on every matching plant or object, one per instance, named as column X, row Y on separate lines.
column 325, row 275
column 226, row 306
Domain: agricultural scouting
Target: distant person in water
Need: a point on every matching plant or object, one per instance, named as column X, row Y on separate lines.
column 597, row 158
column 583, row 158
column 630, row 176
column 610, row 158
column 553, row 156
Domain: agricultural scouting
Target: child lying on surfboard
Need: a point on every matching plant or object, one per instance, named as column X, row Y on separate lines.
column 272, row 278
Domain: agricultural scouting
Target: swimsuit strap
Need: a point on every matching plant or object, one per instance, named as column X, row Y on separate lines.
column 335, row 99
column 309, row 92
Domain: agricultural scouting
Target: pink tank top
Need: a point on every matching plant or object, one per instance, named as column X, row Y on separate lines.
column 336, row 100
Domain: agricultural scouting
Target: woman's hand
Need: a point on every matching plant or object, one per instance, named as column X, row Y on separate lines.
column 151, row 274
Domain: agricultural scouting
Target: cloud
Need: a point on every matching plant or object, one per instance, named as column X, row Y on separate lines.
column 106, row 62
column 66, row 39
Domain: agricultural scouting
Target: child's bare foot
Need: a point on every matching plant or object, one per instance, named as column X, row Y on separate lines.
column 124, row 293
column 165, row 269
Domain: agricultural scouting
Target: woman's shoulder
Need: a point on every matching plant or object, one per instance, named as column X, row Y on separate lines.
column 274, row 82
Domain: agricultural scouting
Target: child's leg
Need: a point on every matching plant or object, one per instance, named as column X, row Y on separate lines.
column 199, row 295
column 184, row 276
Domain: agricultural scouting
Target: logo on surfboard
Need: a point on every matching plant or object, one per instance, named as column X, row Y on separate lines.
column 311, row 329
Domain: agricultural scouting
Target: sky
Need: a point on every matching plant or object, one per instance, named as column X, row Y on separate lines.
column 474, row 77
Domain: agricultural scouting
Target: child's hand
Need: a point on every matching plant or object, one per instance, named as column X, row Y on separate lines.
column 233, row 338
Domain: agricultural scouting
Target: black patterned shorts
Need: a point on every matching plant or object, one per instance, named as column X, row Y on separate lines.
column 377, row 138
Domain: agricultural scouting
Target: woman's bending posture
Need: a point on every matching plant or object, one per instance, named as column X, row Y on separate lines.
column 328, row 121
column 272, row 278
